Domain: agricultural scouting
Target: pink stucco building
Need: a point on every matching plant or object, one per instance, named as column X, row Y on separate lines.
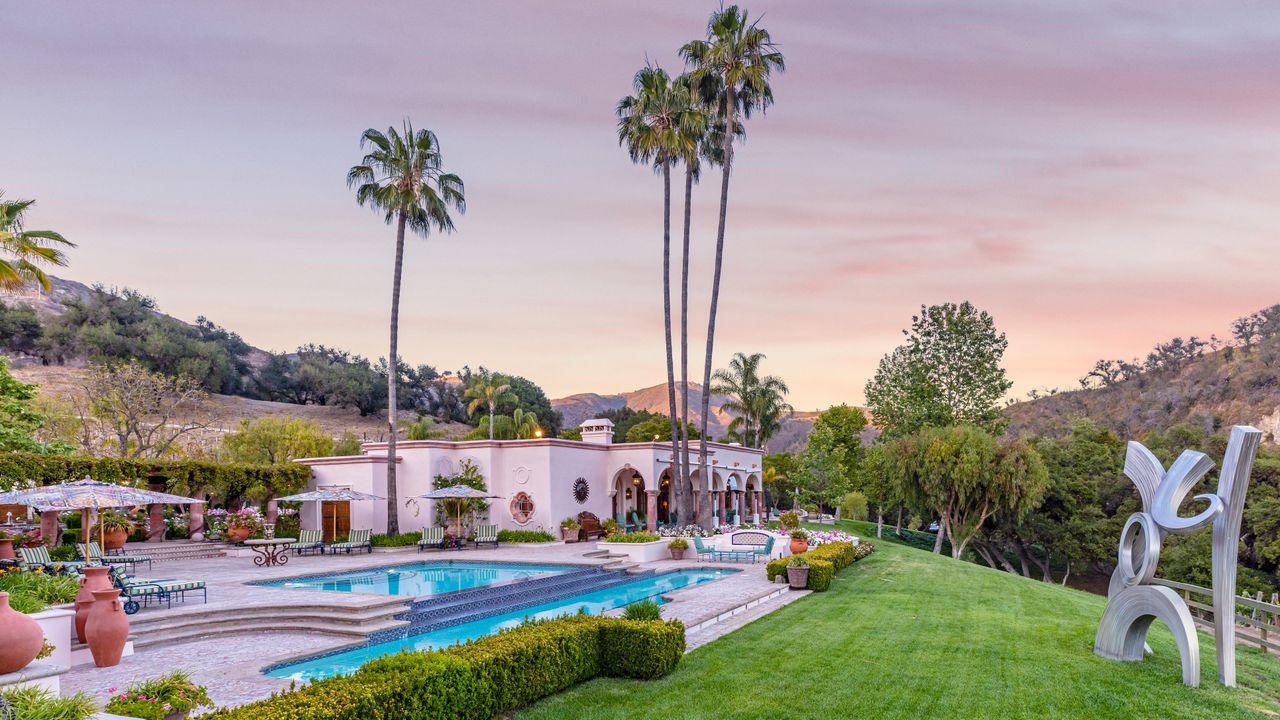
column 540, row 481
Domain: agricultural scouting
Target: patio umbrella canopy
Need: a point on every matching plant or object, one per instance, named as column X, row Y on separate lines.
column 458, row 492
column 89, row 494
column 331, row 495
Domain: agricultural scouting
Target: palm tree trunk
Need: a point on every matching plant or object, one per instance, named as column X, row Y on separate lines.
column 666, row 319
column 492, row 407
column 393, row 370
column 685, row 496
column 715, row 300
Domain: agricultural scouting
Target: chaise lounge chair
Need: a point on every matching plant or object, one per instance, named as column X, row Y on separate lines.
column 92, row 554
column 431, row 537
column 33, row 557
column 487, row 534
column 356, row 540
column 308, row 541
column 133, row 589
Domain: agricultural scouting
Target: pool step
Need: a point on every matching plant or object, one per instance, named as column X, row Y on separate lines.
column 163, row 627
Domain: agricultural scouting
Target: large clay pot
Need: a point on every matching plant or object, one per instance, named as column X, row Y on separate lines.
column 23, row 638
column 798, row 546
column 107, row 629
column 114, row 539
column 6, row 549
column 677, row 553
column 798, row 577
column 238, row 535
column 95, row 578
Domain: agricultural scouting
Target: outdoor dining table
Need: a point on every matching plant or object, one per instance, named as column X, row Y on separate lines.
column 270, row 551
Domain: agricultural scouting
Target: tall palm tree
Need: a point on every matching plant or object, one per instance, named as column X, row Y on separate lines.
column 524, row 423
column 655, row 126
column 740, row 55
column 27, row 249
column 489, row 391
column 402, row 176
column 759, row 401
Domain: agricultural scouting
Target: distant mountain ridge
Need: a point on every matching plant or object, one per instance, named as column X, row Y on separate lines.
column 575, row 409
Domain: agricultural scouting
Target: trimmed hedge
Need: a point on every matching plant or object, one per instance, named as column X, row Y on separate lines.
column 485, row 677
column 525, row 536
column 824, row 562
column 181, row 476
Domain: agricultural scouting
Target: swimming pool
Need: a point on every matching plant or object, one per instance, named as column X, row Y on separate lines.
column 593, row 603
column 419, row 579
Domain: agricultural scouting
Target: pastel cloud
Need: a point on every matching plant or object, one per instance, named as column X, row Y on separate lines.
column 1099, row 177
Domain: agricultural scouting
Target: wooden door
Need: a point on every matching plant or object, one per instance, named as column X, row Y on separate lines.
column 336, row 515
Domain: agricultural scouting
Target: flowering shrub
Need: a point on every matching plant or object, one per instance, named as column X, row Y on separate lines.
column 156, row 699
column 822, row 537
column 686, row 531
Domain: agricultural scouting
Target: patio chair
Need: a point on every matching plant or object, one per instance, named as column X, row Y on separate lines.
column 487, row 534
column 133, row 589
column 702, row 550
column 39, row 557
column 308, row 541
column 635, row 521
column 356, row 540
column 92, row 554
column 431, row 537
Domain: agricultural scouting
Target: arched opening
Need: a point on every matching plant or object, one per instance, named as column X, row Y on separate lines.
column 628, row 502
column 666, row 499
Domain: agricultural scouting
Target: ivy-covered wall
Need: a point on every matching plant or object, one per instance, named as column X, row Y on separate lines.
column 184, row 477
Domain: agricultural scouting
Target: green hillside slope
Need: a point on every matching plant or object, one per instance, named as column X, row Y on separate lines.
column 906, row 634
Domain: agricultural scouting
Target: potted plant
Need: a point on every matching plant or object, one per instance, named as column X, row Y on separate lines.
column 789, row 520
column 677, row 548
column 115, row 529
column 799, row 541
column 610, row 527
column 798, row 572
column 242, row 524
column 169, row 697
column 569, row 530
column 6, row 547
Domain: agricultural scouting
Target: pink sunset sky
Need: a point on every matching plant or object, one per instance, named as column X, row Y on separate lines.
column 1099, row 176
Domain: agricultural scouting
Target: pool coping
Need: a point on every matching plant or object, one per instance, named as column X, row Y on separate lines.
column 670, row 596
column 568, row 567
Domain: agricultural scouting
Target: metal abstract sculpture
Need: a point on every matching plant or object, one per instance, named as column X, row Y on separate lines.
column 1132, row 601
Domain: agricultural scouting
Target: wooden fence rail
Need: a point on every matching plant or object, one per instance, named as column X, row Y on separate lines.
column 1259, row 621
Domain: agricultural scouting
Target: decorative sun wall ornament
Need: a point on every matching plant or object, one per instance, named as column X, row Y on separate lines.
column 581, row 490
column 1133, row 602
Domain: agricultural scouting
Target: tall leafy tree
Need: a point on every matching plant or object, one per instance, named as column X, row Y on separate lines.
column 27, row 250
column 829, row 464
column 402, row 176
column 737, row 57
column 489, row 390
column 658, row 126
column 276, row 440
column 20, row 420
column 759, row 401
column 947, row 373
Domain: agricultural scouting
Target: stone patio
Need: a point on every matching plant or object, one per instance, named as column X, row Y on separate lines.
column 229, row 662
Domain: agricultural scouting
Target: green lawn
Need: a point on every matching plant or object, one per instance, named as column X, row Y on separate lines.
column 906, row 634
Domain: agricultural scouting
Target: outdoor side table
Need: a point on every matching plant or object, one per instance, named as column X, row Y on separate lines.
column 270, row 552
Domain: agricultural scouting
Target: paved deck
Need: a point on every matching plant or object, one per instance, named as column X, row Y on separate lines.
column 229, row 665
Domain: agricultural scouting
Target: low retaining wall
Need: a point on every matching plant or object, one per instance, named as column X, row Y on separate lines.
column 639, row 552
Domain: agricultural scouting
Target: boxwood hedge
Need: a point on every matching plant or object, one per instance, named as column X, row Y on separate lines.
column 824, row 562
column 483, row 678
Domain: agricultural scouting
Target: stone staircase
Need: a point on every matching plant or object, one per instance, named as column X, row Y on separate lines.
column 355, row 622
column 177, row 550
column 617, row 561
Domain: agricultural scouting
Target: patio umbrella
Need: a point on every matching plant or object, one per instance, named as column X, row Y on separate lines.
column 90, row 494
column 331, row 495
column 458, row 492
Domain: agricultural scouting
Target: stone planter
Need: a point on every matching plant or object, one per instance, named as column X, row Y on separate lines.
column 677, row 553
column 798, row 577
column 569, row 534
column 58, row 626
column 107, row 629
column 638, row 552
column 22, row 635
column 6, row 550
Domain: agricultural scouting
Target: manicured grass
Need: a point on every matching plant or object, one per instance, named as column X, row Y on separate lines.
column 906, row 634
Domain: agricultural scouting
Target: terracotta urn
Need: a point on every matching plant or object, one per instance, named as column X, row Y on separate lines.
column 798, row 546
column 114, row 539
column 6, row 549
column 238, row 534
column 107, row 629
column 95, row 578
column 22, row 635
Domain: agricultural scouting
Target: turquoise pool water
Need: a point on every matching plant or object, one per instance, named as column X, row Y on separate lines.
column 428, row 578
column 593, row 603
